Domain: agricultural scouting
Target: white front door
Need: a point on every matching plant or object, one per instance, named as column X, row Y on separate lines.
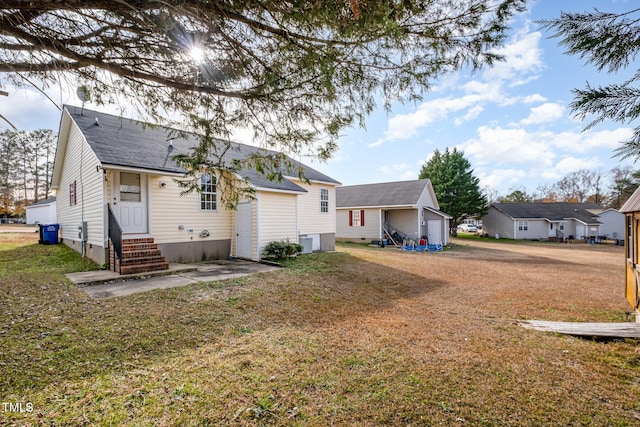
column 434, row 232
column 130, row 201
column 243, row 231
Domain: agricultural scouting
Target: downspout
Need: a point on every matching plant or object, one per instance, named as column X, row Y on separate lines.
column 380, row 225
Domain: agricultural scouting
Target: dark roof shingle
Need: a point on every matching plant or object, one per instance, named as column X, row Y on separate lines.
column 126, row 142
column 551, row 211
column 399, row 193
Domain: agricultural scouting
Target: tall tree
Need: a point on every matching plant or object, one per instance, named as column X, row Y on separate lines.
column 42, row 150
column 294, row 73
column 456, row 188
column 610, row 42
column 625, row 182
column 517, row 196
column 9, row 157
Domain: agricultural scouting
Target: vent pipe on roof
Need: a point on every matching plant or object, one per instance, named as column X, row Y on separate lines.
column 97, row 122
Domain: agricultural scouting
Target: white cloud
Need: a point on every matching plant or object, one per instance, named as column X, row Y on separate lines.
column 530, row 99
column 508, row 145
column 544, row 113
column 501, row 178
column 523, row 59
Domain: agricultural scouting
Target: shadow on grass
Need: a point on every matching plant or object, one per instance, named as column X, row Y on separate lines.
column 51, row 332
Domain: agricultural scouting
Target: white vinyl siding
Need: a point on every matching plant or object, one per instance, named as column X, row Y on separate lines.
column 370, row 230
column 170, row 210
column 310, row 218
column 277, row 218
column 82, row 166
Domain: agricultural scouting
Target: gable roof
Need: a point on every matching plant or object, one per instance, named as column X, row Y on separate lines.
column 551, row 211
column 399, row 193
column 43, row 202
column 122, row 142
column 632, row 204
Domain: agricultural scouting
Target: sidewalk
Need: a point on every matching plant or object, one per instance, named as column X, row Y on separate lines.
column 107, row 284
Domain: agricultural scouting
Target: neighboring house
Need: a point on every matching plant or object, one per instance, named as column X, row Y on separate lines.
column 42, row 212
column 408, row 209
column 611, row 223
column 542, row 221
column 631, row 211
column 115, row 182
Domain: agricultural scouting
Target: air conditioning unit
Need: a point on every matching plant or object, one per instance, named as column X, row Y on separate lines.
column 307, row 245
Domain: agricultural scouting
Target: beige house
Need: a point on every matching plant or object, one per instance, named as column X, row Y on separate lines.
column 392, row 210
column 119, row 202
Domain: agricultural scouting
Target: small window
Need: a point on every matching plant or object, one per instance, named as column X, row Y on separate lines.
column 356, row 218
column 72, row 194
column 523, row 225
column 130, row 188
column 324, row 200
column 208, row 195
column 561, row 226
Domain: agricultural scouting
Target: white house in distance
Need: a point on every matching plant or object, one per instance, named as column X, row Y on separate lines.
column 542, row 221
column 404, row 209
column 119, row 203
column 611, row 223
column 42, row 212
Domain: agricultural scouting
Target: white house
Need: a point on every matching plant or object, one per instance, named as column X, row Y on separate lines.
column 119, row 202
column 542, row 221
column 611, row 223
column 42, row 212
column 390, row 210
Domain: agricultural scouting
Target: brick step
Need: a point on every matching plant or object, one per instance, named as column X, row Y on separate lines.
column 141, row 260
column 138, row 246
column 138, row 240
column 138, row 253
column 143, row 268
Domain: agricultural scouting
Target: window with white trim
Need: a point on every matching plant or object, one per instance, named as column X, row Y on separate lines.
column 208, row 193
column 523, row 225
column 73, row 194
column 324, row 200
column 356, row 218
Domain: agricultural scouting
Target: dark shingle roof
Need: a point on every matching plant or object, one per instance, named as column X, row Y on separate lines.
column 400, row 193
column 44, row 201
column 126, row 142
column 551, row 211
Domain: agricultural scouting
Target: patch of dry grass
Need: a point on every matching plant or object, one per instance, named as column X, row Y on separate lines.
column 360, row 337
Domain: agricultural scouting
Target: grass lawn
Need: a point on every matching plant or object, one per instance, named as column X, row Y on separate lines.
column 360, row 337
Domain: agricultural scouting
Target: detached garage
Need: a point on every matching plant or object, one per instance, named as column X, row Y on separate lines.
column 42, row 212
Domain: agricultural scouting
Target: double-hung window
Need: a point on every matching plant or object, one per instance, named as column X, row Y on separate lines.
column 208, row 193
column 356, row 218
column 324, row 200
column 523, row 225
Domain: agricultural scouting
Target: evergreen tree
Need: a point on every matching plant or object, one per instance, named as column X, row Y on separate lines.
column 456, row 188
column 293, row 74
column 610, row 42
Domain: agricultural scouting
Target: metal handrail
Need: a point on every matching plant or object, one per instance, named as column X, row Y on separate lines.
column 115, row 237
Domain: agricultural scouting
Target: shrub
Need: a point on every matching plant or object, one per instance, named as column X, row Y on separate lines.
column 281, row 249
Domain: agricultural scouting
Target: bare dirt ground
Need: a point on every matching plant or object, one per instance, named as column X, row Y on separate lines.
column 526, row 280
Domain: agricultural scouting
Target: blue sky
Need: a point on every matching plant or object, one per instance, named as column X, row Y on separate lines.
column 511, row 120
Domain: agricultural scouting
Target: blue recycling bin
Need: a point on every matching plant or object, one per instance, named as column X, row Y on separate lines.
column 49, row 234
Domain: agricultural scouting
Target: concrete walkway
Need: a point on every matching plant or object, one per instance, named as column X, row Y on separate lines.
column 107, row 284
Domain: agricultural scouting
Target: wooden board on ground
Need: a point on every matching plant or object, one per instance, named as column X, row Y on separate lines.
column 585, row 329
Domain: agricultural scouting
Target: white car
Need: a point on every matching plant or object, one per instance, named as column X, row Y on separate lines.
column 468, row 227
